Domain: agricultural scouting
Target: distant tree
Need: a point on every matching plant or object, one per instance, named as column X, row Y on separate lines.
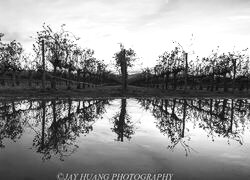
column 29, row 64
column 58, row 46
column 211, row 63
column 2, row 48
column 172, row 62
column 70, row 60
column 10, row 58
column 239, row 62
column 124, row 59
column 85, row 63
column 223, row 68
column 101, row 70
column 147, row 75
column 1, row 35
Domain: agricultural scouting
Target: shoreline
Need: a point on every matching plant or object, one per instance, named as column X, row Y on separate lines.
column 114, row 92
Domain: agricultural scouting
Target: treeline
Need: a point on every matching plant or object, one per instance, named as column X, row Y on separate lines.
column 219, row 71
column 57, row 58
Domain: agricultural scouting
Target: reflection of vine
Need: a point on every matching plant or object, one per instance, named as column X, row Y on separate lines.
column 10, row 126
column 221, row 117
column 172, row 120
column 63, row 131
column 56, row 124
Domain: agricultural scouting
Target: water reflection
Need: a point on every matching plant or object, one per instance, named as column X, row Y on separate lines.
column 227, row 118
column 11, row 126
column 57, row 124
column 123, row 127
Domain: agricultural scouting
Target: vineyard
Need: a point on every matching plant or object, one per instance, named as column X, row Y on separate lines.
column 227, row 72
column 58, row 62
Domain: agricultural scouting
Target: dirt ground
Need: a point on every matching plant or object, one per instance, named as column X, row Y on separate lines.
column 115, row 91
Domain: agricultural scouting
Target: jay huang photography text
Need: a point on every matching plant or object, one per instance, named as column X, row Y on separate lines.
column 115, row 176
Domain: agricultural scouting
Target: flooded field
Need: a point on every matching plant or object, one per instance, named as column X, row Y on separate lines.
column 190, row 138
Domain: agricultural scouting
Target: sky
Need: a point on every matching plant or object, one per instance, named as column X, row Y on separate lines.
column 147, row 26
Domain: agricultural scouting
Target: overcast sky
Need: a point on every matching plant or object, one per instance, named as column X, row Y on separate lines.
column 148, row 26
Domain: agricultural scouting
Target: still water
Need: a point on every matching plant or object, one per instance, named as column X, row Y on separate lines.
column 190, row 138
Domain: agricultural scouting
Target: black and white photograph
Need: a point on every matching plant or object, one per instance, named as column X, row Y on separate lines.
column 124, row 90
